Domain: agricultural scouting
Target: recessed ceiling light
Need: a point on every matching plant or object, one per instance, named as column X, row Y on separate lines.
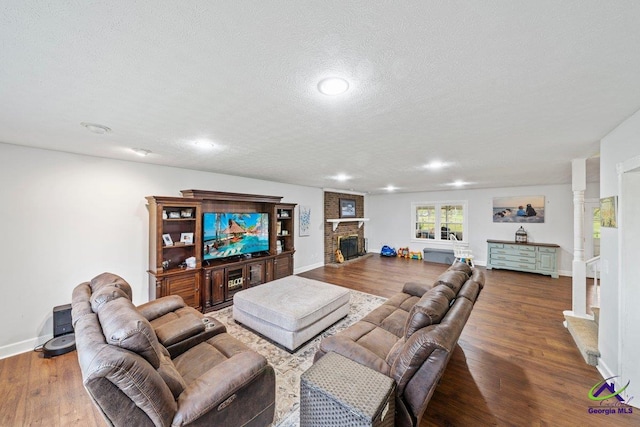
column 96, row 128
column 204, row 144
column 436, row 164
column 342, row 177
column 333, row 86
column 459, row 183
column 141, row 151
column 390, row 188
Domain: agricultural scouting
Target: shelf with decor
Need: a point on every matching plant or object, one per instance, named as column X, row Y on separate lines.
column 174, row 236
column 284, row 227
column 233, row 238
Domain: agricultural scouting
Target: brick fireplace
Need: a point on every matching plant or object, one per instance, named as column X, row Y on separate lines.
column 332, row 239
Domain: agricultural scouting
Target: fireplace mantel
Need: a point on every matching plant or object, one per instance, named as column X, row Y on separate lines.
column 337, row 221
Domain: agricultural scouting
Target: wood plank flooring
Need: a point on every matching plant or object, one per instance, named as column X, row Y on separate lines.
column 515, row 364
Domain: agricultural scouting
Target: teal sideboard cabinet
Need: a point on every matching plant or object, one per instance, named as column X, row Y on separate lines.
column 539, row 258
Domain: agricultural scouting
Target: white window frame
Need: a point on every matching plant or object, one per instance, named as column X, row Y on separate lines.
column 438, row 205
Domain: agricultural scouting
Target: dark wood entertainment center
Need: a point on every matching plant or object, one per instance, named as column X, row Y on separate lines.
column 210, row 285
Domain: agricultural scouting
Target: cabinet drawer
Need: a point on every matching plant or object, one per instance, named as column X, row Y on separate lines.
column 510, row 252
column 514, row 264
column 520, row 248
column 529, row 260
column 547, row 250
column 496, row 245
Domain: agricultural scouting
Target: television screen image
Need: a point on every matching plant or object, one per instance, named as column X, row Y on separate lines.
column 232, row 234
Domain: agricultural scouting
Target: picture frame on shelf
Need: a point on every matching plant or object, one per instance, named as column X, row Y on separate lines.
column 186, row 238
column 174, row 215
column 347, row 208
column 186, row 213
column 166, row 238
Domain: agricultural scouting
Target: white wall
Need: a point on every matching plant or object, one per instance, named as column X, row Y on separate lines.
column 391, row 219
column 66, row 218
column 616, row 349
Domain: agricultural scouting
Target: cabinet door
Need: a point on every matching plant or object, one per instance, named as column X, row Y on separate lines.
column 547, row 261
column 234, row 281
column 268, row 270
column 213, row 287
column 282, row 266
column 255, row 273
column 185, row 285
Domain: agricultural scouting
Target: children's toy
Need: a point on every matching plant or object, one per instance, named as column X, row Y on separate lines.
column 415, row 255
column 387, row 251
column 403, row 252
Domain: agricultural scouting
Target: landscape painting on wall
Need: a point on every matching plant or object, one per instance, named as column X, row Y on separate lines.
column 608, row 214
column 527, row 209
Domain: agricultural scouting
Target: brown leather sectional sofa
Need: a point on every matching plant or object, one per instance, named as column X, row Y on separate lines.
column 411, row 336
column 207, row 377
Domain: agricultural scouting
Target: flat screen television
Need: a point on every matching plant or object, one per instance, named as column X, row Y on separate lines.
column 228, row 234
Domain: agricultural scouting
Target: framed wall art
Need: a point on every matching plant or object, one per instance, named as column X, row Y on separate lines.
column 609, row 212
column 520, row 209
column 347, row 208
column 305, row 221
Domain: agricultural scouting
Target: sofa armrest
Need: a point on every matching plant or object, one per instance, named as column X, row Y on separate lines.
column 354, row 351
column 416, row 289
column 216, row 389
column 179, row 329
column 161, row 306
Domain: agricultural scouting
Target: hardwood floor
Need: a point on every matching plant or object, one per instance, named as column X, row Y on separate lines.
column 515, row 364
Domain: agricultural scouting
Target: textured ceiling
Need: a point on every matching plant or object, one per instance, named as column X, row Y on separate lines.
column 507, row 91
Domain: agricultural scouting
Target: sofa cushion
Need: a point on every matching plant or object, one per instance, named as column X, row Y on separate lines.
column 171, row 376
column 431, row 308
column 416, row 288
column 461, row 266
column 104, row 295
column 453, row 279
column 179, row 329
column 469, row 290
column 416, row 350
column 107, row 279
column 478, row 277
column 362, row 342
column 125, row 327
column 80, row 305
column 161, row 307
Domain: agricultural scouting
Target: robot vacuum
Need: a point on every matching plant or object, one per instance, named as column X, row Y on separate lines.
column 59, row 345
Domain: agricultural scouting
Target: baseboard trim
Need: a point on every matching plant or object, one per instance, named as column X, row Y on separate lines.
column 23, row 346
column 308, row 267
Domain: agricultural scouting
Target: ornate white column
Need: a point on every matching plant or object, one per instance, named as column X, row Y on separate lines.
column 579, row 271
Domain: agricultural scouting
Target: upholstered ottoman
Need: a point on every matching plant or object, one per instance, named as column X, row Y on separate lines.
column 291, row 310
column 337, row 391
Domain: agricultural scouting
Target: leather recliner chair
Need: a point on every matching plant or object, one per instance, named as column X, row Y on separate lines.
column 133, row 380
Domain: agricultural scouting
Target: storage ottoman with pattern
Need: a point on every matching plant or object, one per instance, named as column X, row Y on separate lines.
column 337, row 391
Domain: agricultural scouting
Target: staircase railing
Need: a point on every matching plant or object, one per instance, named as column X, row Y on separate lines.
column 593, row 264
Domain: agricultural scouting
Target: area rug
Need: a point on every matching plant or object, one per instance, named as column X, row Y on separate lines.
column 289, row 366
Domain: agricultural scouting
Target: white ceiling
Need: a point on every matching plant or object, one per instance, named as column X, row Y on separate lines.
column 508, row 91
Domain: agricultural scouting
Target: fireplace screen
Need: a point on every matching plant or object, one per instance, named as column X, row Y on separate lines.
column 348, row 246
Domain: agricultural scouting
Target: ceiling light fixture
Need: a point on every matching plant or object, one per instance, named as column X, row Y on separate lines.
column 204, row 144
column 96, row 128
column 141, row 152
column 459, row 183
column 333, row 86
column 342, row 177
column 390, row 188
column 436, row 164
